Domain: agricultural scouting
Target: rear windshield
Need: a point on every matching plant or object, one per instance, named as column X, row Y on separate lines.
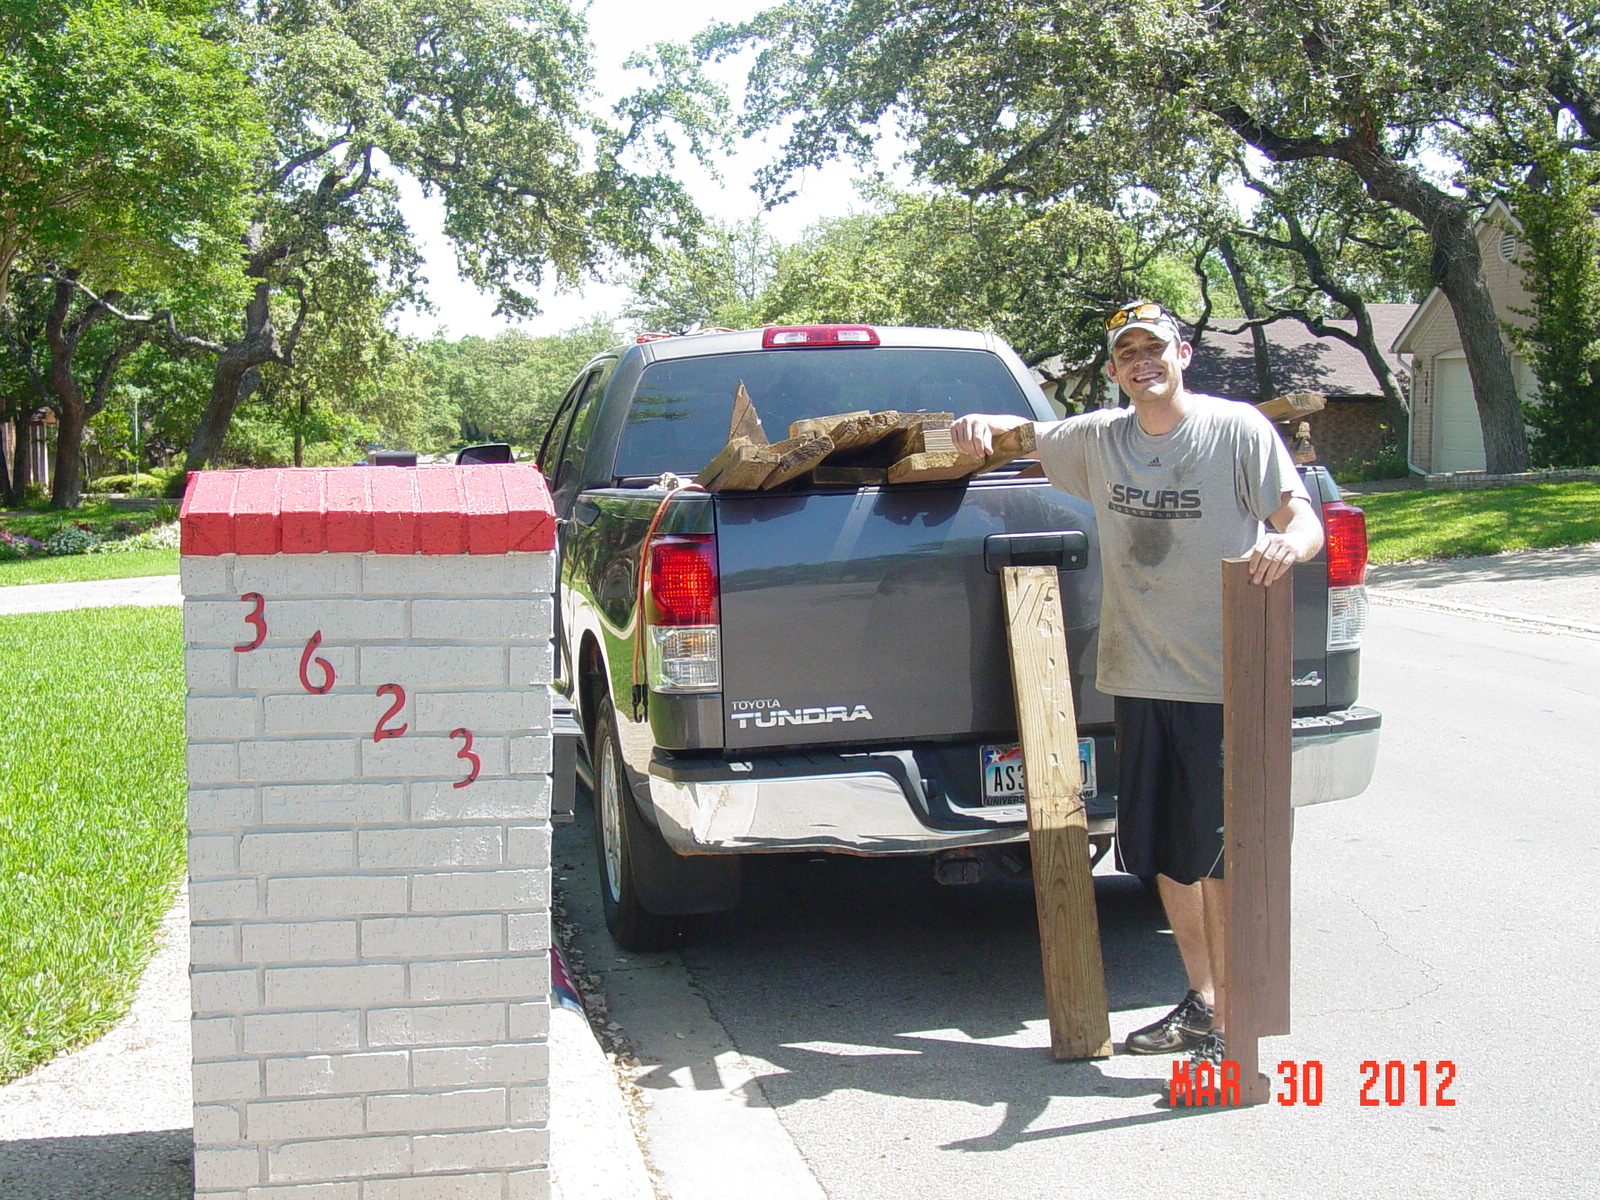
column 682, row 408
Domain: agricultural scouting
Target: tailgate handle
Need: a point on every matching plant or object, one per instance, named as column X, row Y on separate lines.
column 1065, row 549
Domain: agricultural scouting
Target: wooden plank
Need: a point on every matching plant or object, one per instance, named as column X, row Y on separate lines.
column 925, row 468
column 1258, row 641
column 860, row 432
column 1013, row 443
column 828, row 475
column 743, row 468
column 796, row 456
column 725, row 458
column 746, row 422
column 826, row 426
column 1069, row 929
column 1292, row 404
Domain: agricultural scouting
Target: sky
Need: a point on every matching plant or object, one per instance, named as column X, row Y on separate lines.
column 618, row 28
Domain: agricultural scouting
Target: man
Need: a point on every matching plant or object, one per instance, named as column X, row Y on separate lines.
column 1179, row 481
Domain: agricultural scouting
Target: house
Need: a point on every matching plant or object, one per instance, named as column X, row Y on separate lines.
column 1445, row 434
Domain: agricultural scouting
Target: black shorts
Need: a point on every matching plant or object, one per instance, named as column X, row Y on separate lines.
column 1169, row 788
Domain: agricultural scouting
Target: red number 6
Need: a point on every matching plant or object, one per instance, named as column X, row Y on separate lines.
column 466, row 752
column 305, row 662
column 253, row 617
column 399, row 694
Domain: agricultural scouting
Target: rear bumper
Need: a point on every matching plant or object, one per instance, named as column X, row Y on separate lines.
column 879, row 804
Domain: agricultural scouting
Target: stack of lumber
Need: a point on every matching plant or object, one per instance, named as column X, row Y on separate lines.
column 1294, row 406
column 851, row 449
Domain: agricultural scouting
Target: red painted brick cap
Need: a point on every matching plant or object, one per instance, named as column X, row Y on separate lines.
column 482, row 509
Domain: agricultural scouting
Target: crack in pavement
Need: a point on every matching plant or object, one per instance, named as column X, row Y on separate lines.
column 1386, row 943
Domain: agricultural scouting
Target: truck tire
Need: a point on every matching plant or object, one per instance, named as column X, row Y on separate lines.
column 652, row 896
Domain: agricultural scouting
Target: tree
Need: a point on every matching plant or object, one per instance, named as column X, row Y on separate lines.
column 1064, row 98
column 482, row 102
column 718, row 279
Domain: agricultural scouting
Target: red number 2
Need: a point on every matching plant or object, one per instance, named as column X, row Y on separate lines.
column 468, row 754
column 1367, row 1098
column 253, row 617
column 305, row 662
column 383, row 731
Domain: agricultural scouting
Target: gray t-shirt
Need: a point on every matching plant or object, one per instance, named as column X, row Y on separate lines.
column 1170, row 509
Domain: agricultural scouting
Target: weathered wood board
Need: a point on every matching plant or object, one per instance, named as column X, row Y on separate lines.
column 1292, row 404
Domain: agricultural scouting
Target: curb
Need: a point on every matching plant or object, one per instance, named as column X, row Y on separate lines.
column 1404, row 598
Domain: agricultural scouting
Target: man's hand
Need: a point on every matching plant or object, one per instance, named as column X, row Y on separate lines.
column 975, row 434
column 1297, row 538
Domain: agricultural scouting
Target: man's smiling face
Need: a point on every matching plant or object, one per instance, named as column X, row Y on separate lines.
column 1149, row 369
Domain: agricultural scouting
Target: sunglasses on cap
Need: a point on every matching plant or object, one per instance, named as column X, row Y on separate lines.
column 1143, row 310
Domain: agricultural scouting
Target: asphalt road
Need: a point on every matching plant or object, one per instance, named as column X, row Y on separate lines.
column 853, row 1030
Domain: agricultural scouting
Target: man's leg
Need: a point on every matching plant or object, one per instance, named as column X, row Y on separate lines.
column 1214, row 900
column 1186, row 913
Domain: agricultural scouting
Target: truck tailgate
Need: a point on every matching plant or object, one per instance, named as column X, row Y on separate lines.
column 866, row 616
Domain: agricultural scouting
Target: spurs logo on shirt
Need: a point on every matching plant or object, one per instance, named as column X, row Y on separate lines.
column 1163, row 504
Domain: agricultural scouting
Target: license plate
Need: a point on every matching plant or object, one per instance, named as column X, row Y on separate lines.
column 1005, row 783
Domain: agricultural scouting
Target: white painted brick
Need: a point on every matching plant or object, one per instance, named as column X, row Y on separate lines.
column 221, row 623
column 432, row 666
column 536, row 568
column 277, row 668
column 424, row 1113
column 223, row 991
column 529, row 1185
column 276, row 575
column 339, row 1158
column 205, row 575
column 334, row 804
column 215, row 1123
column 500, row 711
column 501, row 890
column 528, row 845
column 480, row 979
column 436, row 846
column 215, row 1037
column 277, row 1120
column 208, row 670
column 476, row 1186
column 214, row 946
column 350, row 1190
column 212, row 856
column 336, row 896
column 210, row 718
column 325, row 987
column 223, row 900
column 300, row 1032
column 464, row 1151
column 500, row 619
column 224, row 1082
column 408, row 937
column 355, row 713
column 485, row 800
column 340, row 619
column 415, row 756
column 530, row 1020
column 232, row 1167
column 532, row 665
column 528, row 1105
column 436, row 1025
column 337, row 1074
column 212, row 763
column 301, row 942
column 528, row 931
column 532, row 755
column 222, row 809
column 449, row 575
column 297, row 760
column 478, row 1066
column 285, row 852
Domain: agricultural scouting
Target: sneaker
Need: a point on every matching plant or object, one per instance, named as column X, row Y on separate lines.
column 1181, row 1029
column 1209, row 1049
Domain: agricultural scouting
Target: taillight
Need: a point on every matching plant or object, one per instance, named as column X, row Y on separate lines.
column 1346, row 530
column 684, row 642
column 800, row 337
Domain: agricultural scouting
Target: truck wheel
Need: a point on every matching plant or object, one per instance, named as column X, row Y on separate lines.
column 652, row 897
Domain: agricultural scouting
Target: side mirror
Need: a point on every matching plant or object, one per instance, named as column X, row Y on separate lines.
column 488, row 452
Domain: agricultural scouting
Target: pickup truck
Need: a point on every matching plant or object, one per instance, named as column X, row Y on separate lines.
column 825, row 668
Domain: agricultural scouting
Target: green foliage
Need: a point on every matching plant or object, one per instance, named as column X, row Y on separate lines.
column 91, row 840
column 129, row 485
column 1448, row 524
column 71, row 539
column 79, row 568
column 719, row 279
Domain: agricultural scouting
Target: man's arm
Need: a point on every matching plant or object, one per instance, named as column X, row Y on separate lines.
column 1298, row 537
column 975, row 434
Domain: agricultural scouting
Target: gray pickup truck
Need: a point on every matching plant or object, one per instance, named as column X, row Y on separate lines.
column 826, row 669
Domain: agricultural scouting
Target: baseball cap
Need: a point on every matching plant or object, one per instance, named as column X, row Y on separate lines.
column 1142, row 314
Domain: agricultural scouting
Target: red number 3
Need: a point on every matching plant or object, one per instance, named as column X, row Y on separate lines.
column 253, row 617
column 467, row 753
column 305, row 663
column 383, row 730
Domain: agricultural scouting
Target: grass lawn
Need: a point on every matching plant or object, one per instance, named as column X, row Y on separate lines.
column 72, row 568
column 91, row 818
column 98, row 515
column 1439, row 524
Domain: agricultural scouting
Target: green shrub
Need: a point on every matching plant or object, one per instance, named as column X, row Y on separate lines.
column 128, row 485
column 157, row 537
column 71, row 539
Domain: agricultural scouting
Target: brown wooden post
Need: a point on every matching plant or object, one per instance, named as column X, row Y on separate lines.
column 1058, row 828
column 1257, row 663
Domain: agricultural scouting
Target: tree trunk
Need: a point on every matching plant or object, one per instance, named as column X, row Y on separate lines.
column 21, row 461
column 67, row 394
column 238, row 368
column 1265, row 390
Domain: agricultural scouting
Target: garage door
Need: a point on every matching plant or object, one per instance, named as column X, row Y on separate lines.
column 1459, row 436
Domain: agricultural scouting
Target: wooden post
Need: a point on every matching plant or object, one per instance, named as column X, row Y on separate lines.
column 1069, row 928
column 1257, row 711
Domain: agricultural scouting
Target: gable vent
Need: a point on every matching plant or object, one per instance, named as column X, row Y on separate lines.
column 1508, row 246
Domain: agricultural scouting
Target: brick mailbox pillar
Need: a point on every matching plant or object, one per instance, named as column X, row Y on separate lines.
column 368, row 658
